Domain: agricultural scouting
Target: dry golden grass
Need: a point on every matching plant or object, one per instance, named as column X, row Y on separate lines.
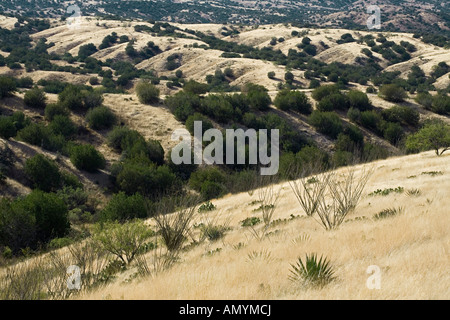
column 411, row 249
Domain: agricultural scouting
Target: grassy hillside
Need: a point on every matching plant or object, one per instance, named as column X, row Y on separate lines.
column 410, row 248
column 86, row 118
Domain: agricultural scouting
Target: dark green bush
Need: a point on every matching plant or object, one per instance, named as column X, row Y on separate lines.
column 257, row 97
column 293, row 100
column 147, row 93
column 71, row 98
column 210, row 173
column 441, row 104
column 39, row 135
column 327, row 123
column 335, row 101
column 86, row 157
column 52, row 110
column 402, row 114
column 359, row 100
column 183, row 104
column 211, row 190
column 35, row 98
column 393, row 133
column 62, row 125
column 323, row 91
column 195, row 87
column 43, row 173
column 393, row 93
column 17, row 226
column 206, row 124
column 7, row 86
column 425, row 99
column 143, row 177
column 7, row 127
column 100, row 118
column 122, row 207
column 50, row 214
column 91, row 99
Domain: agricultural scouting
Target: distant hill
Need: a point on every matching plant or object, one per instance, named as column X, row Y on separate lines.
column 396, row 15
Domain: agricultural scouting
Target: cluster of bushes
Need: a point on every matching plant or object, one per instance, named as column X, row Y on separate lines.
column 147, row 93
column 330, row 98
column 142, row 168
column 220, row 81
column 293, row 100
column 220, row 107
column 439, row 103
column 387, row 124
column 10, row 125
column 32, row 221
column 391, row 51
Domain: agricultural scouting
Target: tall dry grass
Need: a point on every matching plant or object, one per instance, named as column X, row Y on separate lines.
column 411, row 248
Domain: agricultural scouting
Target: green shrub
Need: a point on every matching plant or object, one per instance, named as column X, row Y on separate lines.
column 209, row 173
column 17, row 226
column 251, row 221
column 52, row 110
column 25, row 82
column 323, row 91
column 289, row 76
column 35, row 98
column 62, row 125
column 327, row 123
column 206, row 124
column 43, row 173
column 86, row 157
column 195, row 87
column 425, row 99
column 257, row 97
column 92, row 100
column 271, row 75
column 147, row 93
column 143, row 177
column 125, row 241
column 50, row 213
column 71, row 98
column 39, row 135
column 371, row 120
column 393, row 93
column 122, row 207
column 7, row 127
column 218, row 107
column 332, row 102
column 359, row 100
column 393, row 133
column 93, row 81
column 441, row 104
column 116, row 136
column 293, row 100
column 432, row 136
column 211, row 190
column 7, row 86
column 86, row 50
column 402, row 114
column 100, row 118
column 183, row 104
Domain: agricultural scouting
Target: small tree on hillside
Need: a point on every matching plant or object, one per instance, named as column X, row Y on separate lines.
column 393, row 93
column 35, row 98
column 434, row 135
column 147, row 93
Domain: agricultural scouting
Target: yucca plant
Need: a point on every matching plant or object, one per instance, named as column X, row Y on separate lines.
column 312, row 271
